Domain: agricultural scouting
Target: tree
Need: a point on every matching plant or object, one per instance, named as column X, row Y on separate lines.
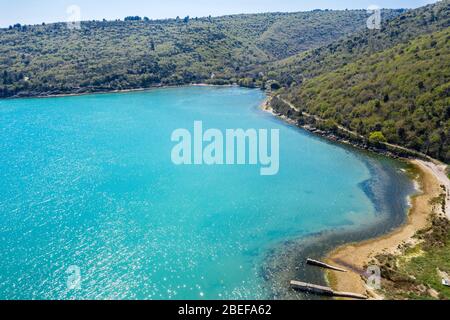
column 135, row 18
column 329, row 125
column 377, row 137
column 274, row 85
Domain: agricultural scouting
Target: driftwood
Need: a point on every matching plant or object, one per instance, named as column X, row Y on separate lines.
column 324, row 265
column 324, row 291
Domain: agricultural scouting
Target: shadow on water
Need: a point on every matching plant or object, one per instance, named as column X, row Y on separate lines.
column 388, row 188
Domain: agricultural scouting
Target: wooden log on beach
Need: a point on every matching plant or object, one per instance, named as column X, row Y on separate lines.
column 324, row 291
column 311, row 288
column 350, row 295
column 323, row 265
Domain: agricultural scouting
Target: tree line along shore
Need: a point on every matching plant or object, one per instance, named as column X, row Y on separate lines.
column 389, row 85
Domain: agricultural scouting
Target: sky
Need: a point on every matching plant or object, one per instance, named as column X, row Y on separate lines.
column 38, row 11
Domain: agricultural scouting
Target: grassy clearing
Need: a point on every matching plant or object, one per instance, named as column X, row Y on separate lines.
column 417, row 274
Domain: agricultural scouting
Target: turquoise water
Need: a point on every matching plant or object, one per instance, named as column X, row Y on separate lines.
column 88, row 181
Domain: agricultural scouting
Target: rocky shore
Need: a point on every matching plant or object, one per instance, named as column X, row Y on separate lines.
column 291, row 114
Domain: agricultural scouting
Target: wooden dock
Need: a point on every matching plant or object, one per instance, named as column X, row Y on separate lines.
column 312, row 288
column 324, row 265
column 324, row 291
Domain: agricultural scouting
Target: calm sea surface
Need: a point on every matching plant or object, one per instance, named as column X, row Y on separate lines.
column 87, row 184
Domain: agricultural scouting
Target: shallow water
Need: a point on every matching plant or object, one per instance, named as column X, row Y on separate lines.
column 88, row 181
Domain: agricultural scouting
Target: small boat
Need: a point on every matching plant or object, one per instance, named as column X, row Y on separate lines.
column 446, row 282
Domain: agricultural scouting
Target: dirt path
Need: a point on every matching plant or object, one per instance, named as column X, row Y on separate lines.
column 439, row 171
column 355, row 134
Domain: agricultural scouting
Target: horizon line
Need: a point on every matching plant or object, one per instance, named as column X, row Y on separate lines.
column 195, row 17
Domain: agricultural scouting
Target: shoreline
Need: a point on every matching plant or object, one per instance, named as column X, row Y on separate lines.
column 355, row 257
column 76, row 94
column 341, row 135
column 387, row 187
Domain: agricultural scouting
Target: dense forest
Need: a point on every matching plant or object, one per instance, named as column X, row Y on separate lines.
column 388, row 85
column 401, row 29
column 401, row 95
column 140, row 53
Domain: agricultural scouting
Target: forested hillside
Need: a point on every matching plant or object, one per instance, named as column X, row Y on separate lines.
column 387, row 85
column 401, row 29
column 136, row 53
column 390, row 85
column 401, row 95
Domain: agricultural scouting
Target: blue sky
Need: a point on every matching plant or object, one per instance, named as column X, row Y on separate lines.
column 38, row 11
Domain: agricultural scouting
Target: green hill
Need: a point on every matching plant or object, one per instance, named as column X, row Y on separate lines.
column 400, row 29
column 112, row 55
column 403, row 92
column 387, row 85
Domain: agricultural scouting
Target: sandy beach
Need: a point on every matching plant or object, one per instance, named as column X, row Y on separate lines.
column 355, row 257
